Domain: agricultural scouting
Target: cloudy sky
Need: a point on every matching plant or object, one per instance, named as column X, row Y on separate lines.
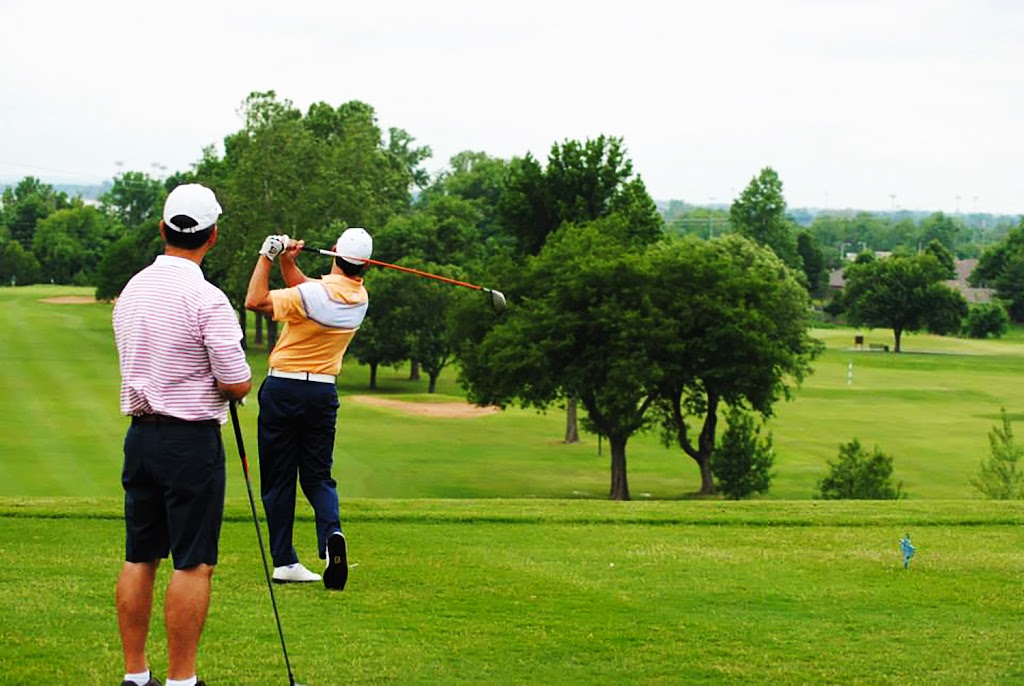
column 866, row 104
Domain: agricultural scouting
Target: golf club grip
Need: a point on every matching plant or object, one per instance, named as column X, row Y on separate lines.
column 309, row 248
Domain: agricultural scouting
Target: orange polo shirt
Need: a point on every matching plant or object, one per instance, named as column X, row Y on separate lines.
column 321, row 316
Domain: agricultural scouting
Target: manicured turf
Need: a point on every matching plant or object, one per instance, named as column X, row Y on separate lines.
column 555, row 592
column 930, row 407
column 466, row 571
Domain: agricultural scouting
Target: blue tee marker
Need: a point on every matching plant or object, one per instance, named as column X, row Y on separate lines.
column 907, row 549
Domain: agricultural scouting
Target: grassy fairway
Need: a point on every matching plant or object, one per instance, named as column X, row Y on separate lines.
column 484, row 552
column 556, row 592
column 931, row 407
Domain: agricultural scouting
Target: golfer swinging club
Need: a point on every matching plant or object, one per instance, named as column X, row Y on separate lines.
column 299, row 398
column 179, row 345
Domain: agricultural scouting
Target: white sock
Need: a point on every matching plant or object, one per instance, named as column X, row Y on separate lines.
column 140, row 678
column 191, row 681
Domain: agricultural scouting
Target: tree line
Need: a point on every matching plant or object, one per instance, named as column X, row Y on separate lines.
column 609, row 308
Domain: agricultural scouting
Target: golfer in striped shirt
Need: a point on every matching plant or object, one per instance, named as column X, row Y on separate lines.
column 181, row 358
column 299, row 398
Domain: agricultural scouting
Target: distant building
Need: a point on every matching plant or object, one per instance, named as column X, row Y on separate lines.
column 963, row 273
column 836, row 282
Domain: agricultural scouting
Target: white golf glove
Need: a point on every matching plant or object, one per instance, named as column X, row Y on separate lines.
column 273, row 246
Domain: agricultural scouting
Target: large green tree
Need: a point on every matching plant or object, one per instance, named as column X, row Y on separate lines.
column 812, row 260
column 70, row 244
column 903, row 293
column 621, row 325
column 383, row 338
column 944, row 229
column 18, row 267
column 430, row 337
column 135, row 201
column 582, row 183
column 476, row 178
column 26, row 204
column 733, row 326
column 1002, row 267
column 581, row 333
column 306, row 176
column 759, row 213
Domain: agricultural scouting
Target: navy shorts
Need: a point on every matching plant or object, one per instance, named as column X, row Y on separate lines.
column 174, row 479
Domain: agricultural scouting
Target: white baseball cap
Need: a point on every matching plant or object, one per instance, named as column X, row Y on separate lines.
column 195, row 201
column 354, row 243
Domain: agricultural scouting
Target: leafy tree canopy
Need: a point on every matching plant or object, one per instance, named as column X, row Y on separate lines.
column 1002, row 268
column 759, row 213
column 902, row 293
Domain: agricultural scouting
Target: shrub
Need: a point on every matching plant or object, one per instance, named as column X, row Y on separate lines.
column 742, row 461
column 986, row 319
column 1000, row 477
column 860, row 476
column 18, row 267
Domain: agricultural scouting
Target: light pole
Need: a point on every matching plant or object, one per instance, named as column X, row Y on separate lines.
column 711, row 203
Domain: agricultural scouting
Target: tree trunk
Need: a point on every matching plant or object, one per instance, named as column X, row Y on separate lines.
column 432, row 386
column 572, row 431
column 414, row 370
column 897, row 335
column 373, row 376
column 620, row 483
column 242, row 318
column 706, row 445
column 707, row 480
column 259, row 328
column 271, row 334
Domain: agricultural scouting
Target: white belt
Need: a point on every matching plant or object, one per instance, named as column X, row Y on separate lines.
column 302, row 376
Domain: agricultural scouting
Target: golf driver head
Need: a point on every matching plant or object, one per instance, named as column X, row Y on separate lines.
column 497, row 300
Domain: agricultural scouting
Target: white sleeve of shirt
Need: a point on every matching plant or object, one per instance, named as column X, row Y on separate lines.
column 327, row 312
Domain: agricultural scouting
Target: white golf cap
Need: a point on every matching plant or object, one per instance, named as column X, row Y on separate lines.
column 195, row 201
column 353, row 244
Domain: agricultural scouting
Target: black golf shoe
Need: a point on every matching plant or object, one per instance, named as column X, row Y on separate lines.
column 153, row 681
column 336, row 573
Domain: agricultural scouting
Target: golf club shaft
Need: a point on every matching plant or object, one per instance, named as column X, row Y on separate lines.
column 400, row 268
column 259, row 535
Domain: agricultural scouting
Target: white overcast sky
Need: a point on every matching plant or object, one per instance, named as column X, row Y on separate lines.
column 871, row 104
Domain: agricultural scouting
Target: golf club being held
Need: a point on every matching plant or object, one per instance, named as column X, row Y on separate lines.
column 497, row 298
column 259, row 536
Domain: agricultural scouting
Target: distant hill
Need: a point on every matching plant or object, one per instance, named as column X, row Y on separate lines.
column 802, row 216
column 86, row 191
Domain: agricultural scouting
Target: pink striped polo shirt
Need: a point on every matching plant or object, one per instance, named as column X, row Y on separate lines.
column 176, row 336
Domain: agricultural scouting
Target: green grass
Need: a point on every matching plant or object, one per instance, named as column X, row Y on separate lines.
column 485, row 552
column 555, row 592
column 930, row 407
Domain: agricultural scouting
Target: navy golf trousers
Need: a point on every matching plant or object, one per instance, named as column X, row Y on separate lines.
column 296, row 439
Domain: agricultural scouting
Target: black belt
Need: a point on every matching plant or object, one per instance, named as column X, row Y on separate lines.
column 167, row 419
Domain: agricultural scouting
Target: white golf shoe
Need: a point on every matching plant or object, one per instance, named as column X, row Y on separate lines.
column 294, row 573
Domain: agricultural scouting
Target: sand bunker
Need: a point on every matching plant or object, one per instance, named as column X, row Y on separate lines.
column 448, row 410
column 71, row 300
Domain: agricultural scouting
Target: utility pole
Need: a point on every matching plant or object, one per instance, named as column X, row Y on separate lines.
column 711, row 203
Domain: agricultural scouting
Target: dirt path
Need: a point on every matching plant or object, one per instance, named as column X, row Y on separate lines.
column 448, row 410
column 70, row 300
